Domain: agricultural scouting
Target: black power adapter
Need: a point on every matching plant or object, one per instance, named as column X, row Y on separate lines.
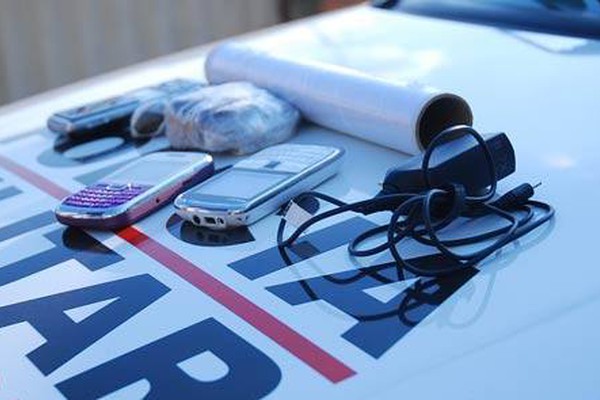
column 454, row 180
column 457, row 160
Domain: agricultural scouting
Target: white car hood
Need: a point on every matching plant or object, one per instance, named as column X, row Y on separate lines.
column 525, row 326
column 533, row 332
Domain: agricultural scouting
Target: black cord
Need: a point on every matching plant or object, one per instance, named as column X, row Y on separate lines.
column 422, row 216
column 222, row 169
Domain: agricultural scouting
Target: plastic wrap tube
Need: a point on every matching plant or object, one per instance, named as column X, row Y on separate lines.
column 401, row 116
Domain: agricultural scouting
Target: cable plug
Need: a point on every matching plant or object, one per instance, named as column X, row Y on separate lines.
column 516, row 197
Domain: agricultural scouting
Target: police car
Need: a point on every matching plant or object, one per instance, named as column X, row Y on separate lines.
column 165, row 310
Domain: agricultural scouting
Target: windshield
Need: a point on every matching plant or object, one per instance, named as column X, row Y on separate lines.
column 565, row 17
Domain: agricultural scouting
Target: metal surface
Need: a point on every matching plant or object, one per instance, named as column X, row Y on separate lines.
column 523, row 325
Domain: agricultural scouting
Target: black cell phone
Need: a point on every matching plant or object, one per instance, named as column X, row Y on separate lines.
column 115, row 112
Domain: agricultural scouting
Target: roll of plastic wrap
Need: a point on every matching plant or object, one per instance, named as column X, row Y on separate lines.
column 401, row 116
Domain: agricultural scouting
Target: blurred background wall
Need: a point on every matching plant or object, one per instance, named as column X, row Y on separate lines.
column 48, row 43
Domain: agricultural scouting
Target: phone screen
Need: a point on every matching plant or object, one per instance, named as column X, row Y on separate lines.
column 240, row 183
column 147, row 172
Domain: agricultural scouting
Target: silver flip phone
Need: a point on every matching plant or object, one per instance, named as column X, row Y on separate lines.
column 258, row 185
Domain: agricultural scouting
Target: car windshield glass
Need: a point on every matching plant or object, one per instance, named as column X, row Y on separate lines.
column 567, row 17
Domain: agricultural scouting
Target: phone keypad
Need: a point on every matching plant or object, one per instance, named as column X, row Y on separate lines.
column 286, row 158
column 105, row 195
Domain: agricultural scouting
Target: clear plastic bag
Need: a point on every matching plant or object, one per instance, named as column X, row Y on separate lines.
column 148, row 120
column 237, row 117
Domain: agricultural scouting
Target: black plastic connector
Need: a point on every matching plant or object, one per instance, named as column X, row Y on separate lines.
column 459, row 161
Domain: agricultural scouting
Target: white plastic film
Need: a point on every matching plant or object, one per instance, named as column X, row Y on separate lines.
column 398, row 115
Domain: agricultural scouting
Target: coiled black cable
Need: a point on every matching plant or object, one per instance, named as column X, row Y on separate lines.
column 421, row 216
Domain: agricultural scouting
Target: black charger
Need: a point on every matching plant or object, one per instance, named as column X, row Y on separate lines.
column 457, row 159
column 454, row 179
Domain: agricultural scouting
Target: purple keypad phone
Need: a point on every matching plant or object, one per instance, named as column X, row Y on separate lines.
column 135, row 190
